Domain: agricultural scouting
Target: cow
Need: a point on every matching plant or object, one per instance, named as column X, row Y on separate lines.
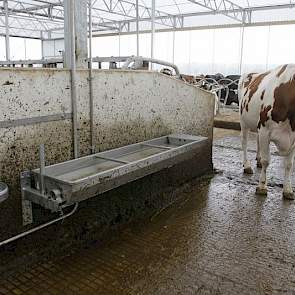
column 188, row 78
column 267, row 105
column 231, row 82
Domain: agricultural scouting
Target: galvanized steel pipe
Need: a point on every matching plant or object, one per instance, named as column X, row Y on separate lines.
column 7, row 43
column 21, row 235
column 151, row 60
column 137, row 29
column 42, row 167
column 153, row 30
column 91, row 114
column 73, row 80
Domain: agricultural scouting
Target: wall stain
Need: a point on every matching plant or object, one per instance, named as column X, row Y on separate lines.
column 7, row 83
column 117, row 127
column 20, row 152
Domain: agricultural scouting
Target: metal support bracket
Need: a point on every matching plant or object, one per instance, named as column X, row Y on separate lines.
column 25, row 181
column 30, row 195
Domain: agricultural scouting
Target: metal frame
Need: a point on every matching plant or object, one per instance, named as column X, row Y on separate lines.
column 90, row 65
column 35, row 120
column 140, row 60
column 60, row 190
column 227, row 8
column 44, row 19
column 126, row 60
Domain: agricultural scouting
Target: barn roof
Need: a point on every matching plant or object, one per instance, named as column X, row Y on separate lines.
column 44, row 18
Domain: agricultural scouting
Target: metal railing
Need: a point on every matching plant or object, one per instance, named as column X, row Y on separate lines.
column 137, row 60
column 113, row 62
column 45, row 63
column 221, row 88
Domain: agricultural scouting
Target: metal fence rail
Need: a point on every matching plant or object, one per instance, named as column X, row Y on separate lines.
column 221, row 88
column 113, row 62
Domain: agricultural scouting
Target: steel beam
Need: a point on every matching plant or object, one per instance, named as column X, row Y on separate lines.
column 200, row 27
column 91, row 100
column 70, row 62
column 225, row 7
column 153, row 29
column 27, row 18
column 137, row 28
column 80, row 30
column 7, row 45
column 241, row 49
column 179, row 19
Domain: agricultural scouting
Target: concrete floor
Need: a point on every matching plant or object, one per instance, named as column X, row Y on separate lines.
column 219, row 239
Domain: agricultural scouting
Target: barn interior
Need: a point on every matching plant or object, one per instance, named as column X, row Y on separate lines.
column 120, row 157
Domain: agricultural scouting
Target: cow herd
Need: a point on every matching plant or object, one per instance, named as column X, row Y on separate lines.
column 226, row 87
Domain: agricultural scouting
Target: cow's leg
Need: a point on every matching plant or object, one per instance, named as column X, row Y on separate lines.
column 264, row 142
column 246, row 162
column 258, row 157
column 288, row 190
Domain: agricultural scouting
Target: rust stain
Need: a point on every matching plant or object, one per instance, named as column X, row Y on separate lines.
column 263, row 115
column 284, row 103
column 282, row 70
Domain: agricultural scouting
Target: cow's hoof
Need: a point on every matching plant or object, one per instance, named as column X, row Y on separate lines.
column 248, row 170
column 261, row 191
column 289, row 195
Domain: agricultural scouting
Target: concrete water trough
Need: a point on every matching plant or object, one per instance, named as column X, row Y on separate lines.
column 73, row 181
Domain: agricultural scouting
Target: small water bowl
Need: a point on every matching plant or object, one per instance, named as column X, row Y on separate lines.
column 3, row 191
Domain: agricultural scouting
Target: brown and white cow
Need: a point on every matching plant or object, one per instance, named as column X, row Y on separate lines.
column 188, row 78
column 267, row 104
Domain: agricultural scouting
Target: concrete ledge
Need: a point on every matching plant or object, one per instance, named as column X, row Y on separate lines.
column 227, row 119
column 227, row 124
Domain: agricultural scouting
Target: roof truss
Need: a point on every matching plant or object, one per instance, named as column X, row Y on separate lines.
column 44, row 18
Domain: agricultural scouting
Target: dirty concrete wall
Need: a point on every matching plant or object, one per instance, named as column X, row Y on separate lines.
column 129, row 107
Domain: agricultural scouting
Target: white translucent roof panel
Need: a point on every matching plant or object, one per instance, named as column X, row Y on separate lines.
column 209, row 20
column 183, row 8
column 282, row 15
column 257, row 3
column 267, row 2
column 33, row 18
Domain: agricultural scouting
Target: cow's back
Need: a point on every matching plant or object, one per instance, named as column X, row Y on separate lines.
column 263, row 97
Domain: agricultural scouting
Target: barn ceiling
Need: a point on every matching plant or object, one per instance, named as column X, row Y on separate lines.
column 44, row 18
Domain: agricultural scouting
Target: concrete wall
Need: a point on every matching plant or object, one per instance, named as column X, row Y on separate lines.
column 129, row 107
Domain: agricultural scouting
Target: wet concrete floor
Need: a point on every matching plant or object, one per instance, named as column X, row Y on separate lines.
column 218, row 239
